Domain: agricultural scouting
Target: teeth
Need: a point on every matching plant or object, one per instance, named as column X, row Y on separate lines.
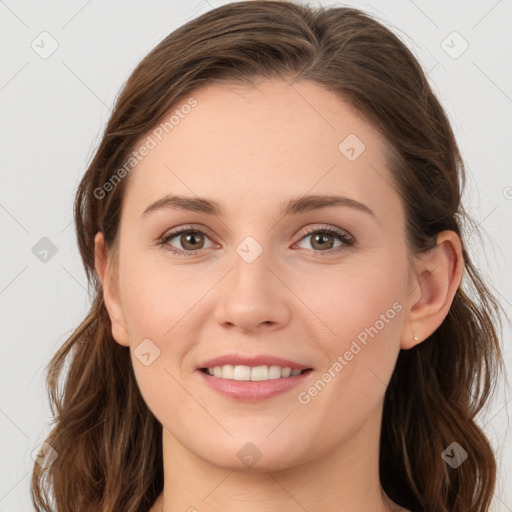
column 254, row 373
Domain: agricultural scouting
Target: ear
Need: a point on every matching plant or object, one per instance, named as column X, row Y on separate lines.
column 109, row 280
column 438, row 276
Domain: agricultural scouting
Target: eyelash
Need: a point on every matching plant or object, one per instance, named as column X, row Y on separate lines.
column 347, row 240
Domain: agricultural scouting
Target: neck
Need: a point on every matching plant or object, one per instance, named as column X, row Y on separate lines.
column 346, row 479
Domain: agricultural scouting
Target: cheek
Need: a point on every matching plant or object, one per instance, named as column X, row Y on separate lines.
column 354, row 297
column 362, row 307
column 156, row 298
column 158, row 307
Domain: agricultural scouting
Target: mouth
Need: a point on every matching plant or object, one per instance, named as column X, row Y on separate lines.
column 252, row 384
column 253, row 373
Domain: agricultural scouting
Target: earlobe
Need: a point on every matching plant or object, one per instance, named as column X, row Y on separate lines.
column 110, row 290
column 438, row 277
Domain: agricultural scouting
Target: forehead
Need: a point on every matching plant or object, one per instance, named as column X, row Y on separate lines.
column 249, row 145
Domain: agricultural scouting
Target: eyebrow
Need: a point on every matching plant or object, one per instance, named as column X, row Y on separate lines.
column 293, row 206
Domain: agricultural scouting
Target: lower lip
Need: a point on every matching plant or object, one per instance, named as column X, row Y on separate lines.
column 251, row 391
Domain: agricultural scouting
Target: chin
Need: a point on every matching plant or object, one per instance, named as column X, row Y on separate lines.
column 253, row 454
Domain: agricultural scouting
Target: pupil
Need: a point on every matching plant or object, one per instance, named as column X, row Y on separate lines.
column 188, row 238
column 321, row 237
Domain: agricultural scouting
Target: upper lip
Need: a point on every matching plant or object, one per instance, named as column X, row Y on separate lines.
column 256, row 360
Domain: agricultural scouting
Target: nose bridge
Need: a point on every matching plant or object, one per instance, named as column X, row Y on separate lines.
column 251, row 277
column 251, row 294
column 251, row 266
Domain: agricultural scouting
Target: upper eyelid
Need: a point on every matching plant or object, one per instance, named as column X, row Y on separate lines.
column 177, row 230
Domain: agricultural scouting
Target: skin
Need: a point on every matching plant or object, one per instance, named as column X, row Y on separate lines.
column 292, row 301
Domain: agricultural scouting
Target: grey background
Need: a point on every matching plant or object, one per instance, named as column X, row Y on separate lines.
column 53, row 111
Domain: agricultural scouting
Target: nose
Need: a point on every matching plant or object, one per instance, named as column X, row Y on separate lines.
column 253, row 296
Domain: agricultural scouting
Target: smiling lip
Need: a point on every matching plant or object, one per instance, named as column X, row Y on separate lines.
column 260, row 360
column 252, row 391
column 247, row 390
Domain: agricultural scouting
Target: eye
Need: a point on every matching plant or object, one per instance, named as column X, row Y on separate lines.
column 189, row 238
column 192, row 240
column 323, row 239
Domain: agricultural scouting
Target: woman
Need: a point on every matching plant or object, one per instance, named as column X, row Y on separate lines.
column 272, row 225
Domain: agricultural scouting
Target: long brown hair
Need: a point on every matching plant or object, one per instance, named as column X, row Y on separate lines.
column 107, row 440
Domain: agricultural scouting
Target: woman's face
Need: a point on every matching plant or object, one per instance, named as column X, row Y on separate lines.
column 262, row 277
